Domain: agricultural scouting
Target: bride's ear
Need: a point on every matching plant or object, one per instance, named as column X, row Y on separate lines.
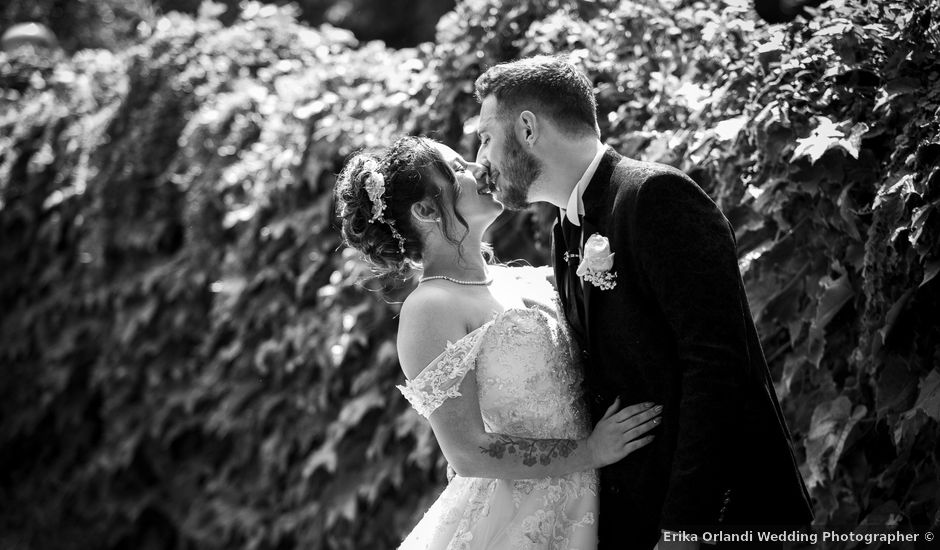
column 425, row 211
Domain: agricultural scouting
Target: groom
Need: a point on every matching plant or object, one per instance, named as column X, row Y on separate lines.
column 646, row 268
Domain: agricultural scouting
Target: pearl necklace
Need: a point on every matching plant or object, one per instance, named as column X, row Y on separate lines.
column 487, row 281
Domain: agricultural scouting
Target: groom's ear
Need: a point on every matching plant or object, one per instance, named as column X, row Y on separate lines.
column 528, row 127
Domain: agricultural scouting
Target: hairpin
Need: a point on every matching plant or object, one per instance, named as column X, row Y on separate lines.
column 375, row 187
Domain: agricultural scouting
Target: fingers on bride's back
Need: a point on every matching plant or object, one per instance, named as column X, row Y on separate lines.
column 633, row 410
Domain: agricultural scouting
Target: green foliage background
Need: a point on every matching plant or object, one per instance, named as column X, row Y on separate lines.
column 191, row 360
column 117, row 24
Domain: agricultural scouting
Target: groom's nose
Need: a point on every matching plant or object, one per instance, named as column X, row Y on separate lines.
column 480, row 171
column 482, row 158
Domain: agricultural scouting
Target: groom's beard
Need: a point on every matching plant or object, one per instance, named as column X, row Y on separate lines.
column 519, row 172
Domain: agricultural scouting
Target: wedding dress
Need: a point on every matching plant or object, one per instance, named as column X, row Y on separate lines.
column 529, row 386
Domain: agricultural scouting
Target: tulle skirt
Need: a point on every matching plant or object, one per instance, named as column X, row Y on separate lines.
column 532, row 514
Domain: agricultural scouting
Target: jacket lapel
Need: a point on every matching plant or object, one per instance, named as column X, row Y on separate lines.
column 596, row 195
column 597, row 203
column 587, row 289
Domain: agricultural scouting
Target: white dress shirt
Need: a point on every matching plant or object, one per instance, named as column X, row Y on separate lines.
column 575, row 203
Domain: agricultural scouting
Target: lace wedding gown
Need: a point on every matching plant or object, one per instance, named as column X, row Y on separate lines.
column 529, row 386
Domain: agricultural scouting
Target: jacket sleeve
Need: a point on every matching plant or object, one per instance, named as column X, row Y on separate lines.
column 685, row 249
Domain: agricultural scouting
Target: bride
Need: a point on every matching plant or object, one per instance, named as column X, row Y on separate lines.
column 487, row 358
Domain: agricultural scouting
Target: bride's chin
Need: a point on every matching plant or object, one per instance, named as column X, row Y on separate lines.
column 496, row 212
column 497, row 205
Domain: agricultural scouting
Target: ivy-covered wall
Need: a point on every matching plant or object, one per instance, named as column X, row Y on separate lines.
column 191, row 360
column 115, row 24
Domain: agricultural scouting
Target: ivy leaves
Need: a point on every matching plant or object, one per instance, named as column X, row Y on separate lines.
column 828, row 135
column 830, row 427
column 181, row 319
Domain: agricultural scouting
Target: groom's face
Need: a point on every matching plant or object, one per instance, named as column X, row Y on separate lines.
column 512, row 167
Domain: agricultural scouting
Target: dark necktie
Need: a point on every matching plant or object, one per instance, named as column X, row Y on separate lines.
column 575, row 305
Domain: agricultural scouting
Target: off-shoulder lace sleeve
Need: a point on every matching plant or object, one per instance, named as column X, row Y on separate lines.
column 441, row 380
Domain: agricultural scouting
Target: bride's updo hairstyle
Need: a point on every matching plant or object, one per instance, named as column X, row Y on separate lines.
column 409, row 171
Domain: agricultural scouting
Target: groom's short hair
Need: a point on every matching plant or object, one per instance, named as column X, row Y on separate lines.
column 550, row 84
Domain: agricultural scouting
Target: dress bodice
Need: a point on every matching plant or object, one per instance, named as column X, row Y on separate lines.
column 526, row 368
column 529, row 381
column 529, row 385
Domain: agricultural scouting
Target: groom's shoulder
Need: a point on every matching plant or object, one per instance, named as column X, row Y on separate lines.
column 631, row 176
column 639, row 173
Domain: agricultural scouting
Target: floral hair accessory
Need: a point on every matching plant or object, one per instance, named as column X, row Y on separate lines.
column 375, row 187
column 598, row 260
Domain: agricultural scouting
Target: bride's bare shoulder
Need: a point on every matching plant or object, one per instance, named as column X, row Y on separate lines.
column 428, row 299
column 430, row 317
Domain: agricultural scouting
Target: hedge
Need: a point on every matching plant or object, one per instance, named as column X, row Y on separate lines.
column 192, row 360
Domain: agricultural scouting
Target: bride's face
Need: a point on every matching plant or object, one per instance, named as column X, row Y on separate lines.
column 472, row 200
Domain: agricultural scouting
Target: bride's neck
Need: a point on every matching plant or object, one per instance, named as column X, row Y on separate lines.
column 464, row 263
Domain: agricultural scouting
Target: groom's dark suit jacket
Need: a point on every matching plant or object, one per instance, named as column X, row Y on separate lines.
column 676, row 330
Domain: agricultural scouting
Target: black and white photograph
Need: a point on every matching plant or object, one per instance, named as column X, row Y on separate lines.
column 469, row 274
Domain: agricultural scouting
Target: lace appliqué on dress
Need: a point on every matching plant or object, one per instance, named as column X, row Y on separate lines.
column 529, row 385
column 441, row 380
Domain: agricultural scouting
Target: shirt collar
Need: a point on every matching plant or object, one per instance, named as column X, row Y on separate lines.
column 575, row 207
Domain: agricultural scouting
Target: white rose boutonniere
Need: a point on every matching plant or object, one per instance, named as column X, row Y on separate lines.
column 597, row 262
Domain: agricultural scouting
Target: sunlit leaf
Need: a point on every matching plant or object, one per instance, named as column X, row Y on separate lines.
column 930, row 271
column 827, row 135
column 928, row 399
column 835, row 294
column 727, row 130
column 324, row 457
column 831, row 425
